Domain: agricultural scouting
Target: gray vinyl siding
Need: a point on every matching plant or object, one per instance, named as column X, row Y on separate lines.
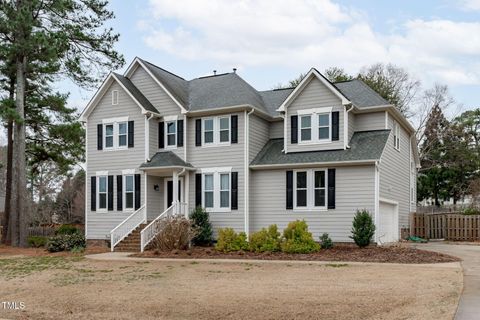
column 351, row 125
column 99, row 224
column 161, row 100
column 258, row 131
column 276, row 130
column 315, row 95
column 355, row 189
column 370, row 121
column 233, row 156
column 155, row 199
column 394, row 171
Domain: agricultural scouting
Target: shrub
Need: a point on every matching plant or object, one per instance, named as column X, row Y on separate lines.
column 265, row 240
column 65, row 242
column 363, row 228
column 201, row 221
column 325, row 241
column 37, row 241
column 470, row 211
column 175, row 233
column 297, row 239
column 228, row 240
column 67, row 229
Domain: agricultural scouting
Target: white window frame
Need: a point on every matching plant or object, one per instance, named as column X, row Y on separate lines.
column 98, row 193
column 166, row 134
column 204, row 190
column 124, row 134
column 216, row 131
column 314, row 125
column 115, row 122
column 310, row 190
column 396, row 135
column 229, row 190
column 114, row 97
column 124, row 191
column 216, row 172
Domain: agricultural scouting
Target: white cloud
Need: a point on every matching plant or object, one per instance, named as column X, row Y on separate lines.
column 291, row 33
column 470, row 5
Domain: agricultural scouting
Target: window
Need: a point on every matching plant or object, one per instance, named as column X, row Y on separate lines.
column 216, row 131
column 324, row 126
column 115, row 133
column 102, row 192
column 171, row 133
column 225, row 129
column 114, row 97
column 129, row 191
column 109, row 136
column 310, row 191
column 208, row 191
column 224, row 190
column 122, row 134
column 315, row 125
column 208, row 129
column 305, row 128
column 217, row 190
column 396, row 135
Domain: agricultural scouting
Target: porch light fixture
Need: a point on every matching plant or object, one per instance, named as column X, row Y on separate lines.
column 156, row 187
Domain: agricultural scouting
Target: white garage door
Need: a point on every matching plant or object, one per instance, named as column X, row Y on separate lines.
column 388, row 223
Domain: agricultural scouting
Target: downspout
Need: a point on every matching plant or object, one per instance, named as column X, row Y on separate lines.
column 377, row 199
column 247, row 171
column 148, row 117
column 282, row 115
column 346, row 137
column 185, row 140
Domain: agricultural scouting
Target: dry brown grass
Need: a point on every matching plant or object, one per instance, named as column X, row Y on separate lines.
column 88, row 289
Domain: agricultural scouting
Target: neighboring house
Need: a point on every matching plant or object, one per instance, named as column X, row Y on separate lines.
column 252, row 158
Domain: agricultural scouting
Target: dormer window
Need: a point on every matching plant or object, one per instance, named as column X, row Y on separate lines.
column 315, row 125
column 171, row 133
column 306, row 128
column 324, row 126
column 114, row 97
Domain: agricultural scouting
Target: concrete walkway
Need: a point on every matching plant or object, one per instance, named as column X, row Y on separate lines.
column 469, row 306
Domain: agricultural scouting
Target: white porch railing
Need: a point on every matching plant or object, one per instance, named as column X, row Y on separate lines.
column 150, row 231
column 127, row 226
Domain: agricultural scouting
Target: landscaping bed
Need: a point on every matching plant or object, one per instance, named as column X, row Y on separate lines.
column 341, row 252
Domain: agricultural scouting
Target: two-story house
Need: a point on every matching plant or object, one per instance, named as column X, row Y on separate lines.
column 159, row 144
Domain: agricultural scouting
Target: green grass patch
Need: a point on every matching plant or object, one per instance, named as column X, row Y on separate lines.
column 336, row 265
column 22, row 267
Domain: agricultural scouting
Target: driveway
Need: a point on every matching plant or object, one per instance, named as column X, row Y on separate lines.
column 469, row 306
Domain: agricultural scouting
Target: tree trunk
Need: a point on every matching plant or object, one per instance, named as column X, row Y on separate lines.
column 7, row 230
column 19, row 153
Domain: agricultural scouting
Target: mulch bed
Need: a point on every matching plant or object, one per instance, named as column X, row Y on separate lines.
column 342, row 252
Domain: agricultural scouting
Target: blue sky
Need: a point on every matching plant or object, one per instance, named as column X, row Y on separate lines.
column 271, row 42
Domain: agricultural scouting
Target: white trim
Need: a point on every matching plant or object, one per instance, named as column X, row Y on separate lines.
column 285, row 138
column 170, row 118
column 113, row 97
column 216, row 169
column 147, row 70
column 311, row 164
column 216, row 131
column 185, row 126
column 101, row 173
column 315, row 110
column 376, row 199
column 314, row 127
column 87, row 181
column 385, row 200
column 312, row 73
column 310, row 190
column 128, row 171
column 247, row 172
column 147, row 138
column 167, row 167
column 124, row 192
column 113, row 120
column 97, row 195
column 386, row 119
column 166, row 134
column 216, row 191
column 396, row 227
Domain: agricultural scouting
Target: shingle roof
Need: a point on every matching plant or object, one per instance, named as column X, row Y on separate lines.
column 364, row 146
column 165, row 159
column 272, row 99
column 360, row 94
column 147, row 105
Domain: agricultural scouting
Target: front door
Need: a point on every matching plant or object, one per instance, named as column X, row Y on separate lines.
column 170, row 192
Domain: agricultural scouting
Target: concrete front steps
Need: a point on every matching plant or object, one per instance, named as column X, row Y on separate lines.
column 132, row 242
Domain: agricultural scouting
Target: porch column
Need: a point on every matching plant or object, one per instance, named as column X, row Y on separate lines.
column 175, row 187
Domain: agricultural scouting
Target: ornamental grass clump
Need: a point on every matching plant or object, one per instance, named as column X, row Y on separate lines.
column 297, row 239
column 265, row 240
column 363, row 228
column 228, row 240
column 175, row 233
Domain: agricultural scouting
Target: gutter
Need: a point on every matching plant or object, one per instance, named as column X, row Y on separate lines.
column 312, row 164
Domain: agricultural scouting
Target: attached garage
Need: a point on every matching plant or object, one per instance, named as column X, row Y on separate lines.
column 387, row 230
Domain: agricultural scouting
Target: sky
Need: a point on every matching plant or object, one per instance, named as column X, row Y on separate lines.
column 272, row 42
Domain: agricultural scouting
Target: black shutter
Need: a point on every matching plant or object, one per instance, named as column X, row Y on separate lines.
column 234, row 195
column 131, row 130
column 180, row 133
column 161, row 132
column 198, row 132
column 335, row 125
column 234, row 128
column 289, row 190
column 137, row 191
column 110, row 193
column 198, row 189
column 119, row 193
column 294, row 129
column 99, row 136
column 93, row 193
column 331, row 188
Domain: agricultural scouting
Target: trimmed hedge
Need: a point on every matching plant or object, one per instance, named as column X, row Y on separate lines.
column 265, row 240
column 228, row 240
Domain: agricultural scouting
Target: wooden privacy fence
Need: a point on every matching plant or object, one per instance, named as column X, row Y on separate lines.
column 448, row 226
